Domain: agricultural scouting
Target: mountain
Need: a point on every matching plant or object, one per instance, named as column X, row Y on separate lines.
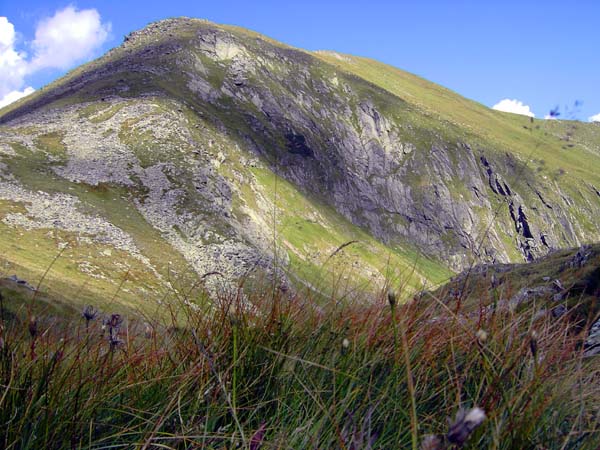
column 202, row 150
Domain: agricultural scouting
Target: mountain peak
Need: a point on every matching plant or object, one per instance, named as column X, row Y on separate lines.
column 164, row 28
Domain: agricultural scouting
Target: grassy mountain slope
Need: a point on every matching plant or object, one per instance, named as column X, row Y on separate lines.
column 196, row 148
column 572, row 146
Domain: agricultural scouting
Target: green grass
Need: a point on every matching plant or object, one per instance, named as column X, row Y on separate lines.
column 287, row 374
column 51, row 143
column 499, row 130
column 580, row 284
column 29, row 253
column 311, row 232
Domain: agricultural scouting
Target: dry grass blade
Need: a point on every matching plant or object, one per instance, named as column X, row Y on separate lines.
column 340, row 248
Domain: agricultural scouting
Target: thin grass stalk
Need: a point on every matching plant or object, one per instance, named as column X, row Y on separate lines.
column 235, row 366
column 414, row 424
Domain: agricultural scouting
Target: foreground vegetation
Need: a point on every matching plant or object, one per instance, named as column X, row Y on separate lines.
column 269, row 369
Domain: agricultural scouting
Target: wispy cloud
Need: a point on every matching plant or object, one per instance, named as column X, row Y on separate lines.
column 66, row 38
column 513, row 106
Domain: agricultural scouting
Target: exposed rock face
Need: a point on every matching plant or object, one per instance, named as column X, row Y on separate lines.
column 342, row 146
column 592, row 343
column 99, row 152
column 185, row 115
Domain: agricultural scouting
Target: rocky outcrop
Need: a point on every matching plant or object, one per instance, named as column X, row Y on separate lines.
column 61, row 212
column 531, row 241
column 564, row 285
column 592, row 343
column 20, row 282
column 173, row 182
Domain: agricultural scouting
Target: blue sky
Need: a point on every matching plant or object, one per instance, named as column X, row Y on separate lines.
column 543, row 53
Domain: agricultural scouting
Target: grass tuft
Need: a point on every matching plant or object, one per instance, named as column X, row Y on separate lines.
column 237, row 372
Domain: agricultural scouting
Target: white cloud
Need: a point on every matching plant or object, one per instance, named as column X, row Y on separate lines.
column 66, row 38
column 13, row 96
column 595, row 118
column 549, row 117
column 13, row 65
column 513, row 106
